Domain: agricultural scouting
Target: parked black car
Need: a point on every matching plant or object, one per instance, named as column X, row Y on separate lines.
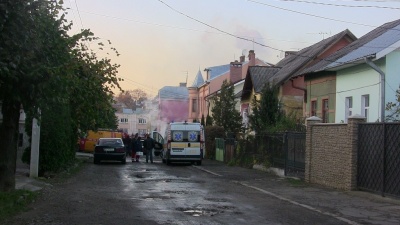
column 109, row 149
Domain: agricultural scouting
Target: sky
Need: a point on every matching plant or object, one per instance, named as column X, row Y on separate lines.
column 166, row 42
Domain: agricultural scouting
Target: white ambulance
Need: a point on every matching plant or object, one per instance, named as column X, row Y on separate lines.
column 184, row 142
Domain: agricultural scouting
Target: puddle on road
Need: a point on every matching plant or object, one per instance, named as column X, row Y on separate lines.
column 199, row 211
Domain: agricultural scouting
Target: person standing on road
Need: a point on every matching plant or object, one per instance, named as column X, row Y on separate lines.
column 127, row 143
column 136, row 147
column 149, row 146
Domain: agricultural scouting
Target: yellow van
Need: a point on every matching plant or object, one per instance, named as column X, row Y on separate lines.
column 88, row 143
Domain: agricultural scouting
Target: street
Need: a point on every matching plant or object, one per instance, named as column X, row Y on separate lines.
column 141, row 193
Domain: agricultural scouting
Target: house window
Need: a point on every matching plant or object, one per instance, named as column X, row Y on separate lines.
column 142, row 121
column 365, row 105
column 124, row 120
column 194, row 105
column 325, row 111
column 349, row 107
column 313, row 108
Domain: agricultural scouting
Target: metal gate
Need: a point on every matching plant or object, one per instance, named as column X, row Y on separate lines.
column 379, row 158
column 295, row 146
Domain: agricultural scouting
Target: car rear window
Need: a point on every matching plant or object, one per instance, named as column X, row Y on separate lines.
column 185, row 136
column 110, row 142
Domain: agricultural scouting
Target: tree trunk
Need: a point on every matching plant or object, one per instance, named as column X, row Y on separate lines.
column 8, row 144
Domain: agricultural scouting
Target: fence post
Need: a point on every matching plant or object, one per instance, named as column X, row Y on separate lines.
column 353, row 122
column 308, row 160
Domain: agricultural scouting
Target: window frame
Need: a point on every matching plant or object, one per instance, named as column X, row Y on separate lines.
column 325, row 110
column 348, row 107
column 365, row 102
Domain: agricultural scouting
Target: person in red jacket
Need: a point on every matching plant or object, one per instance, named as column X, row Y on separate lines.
column 136, row 147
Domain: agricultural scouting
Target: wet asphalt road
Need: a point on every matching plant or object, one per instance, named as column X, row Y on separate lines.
column 141, row 193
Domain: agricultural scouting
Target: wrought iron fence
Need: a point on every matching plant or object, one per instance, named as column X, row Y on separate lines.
column 284, row 150
column 379, row 158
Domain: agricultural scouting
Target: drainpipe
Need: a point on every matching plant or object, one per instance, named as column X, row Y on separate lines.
column 377, row 69
column 300, row 88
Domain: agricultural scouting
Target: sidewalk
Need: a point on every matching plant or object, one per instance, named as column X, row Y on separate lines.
column 351, row 207
column 23, row 181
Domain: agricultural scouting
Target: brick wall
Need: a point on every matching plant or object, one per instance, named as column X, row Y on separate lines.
column 331, row 153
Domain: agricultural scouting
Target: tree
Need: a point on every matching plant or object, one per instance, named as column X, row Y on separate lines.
column 267, row 115
column 132, row 98
column 394, row 108
column 31, row 50
column 42, row 67
column 209, row 120
column 224, row 113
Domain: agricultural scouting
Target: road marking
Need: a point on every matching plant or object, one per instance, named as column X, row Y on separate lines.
column 299, row 204
column 207, row 171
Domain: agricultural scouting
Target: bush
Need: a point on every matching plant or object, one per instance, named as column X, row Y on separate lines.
column 212, row 132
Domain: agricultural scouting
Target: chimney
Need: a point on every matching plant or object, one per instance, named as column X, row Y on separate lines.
column 287, row 53
column 242, row 58
column 182, row 84
column 252, row 58
column 235, row 73
column 208, row 73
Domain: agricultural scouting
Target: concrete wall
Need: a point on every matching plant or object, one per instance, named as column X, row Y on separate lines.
column 331, row 153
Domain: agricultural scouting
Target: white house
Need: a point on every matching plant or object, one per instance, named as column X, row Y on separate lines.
column 367, row 74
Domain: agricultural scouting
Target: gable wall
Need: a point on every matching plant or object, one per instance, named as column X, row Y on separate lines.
column 392, row 75
column 321, row 86
column 354, row 82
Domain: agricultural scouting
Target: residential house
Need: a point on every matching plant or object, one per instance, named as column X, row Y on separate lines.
column 234, row 72
column 359, row 79
column 256, row 78
column 292, row 88
column 132, row 122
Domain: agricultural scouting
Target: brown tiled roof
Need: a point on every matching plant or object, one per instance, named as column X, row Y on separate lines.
column 294, row 62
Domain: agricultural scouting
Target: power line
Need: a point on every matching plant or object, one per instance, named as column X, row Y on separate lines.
column 309, row 14
column 255, row 42
column 77, row 9
column 342, row 5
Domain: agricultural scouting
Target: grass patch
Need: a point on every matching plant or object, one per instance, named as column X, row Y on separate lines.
column 14, row 202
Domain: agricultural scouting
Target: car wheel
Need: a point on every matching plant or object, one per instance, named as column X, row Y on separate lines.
column 198, row 163
column 96, row 160
column 168, row 162
column 163, row 160
column 123, row 161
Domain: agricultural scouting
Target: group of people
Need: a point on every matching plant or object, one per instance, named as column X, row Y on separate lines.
column 134, row 145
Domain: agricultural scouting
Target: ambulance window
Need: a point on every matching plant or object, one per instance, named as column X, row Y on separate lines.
column 177, row 136
column 193, row 136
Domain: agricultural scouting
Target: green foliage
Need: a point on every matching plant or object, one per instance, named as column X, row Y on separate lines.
column 14, row 202
column 42, row 67
column 224, row 112
column 266, row 111
column 202, row 120
column 394, row 109
column 212, row 132
column 209, row 120
column 267, row 115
